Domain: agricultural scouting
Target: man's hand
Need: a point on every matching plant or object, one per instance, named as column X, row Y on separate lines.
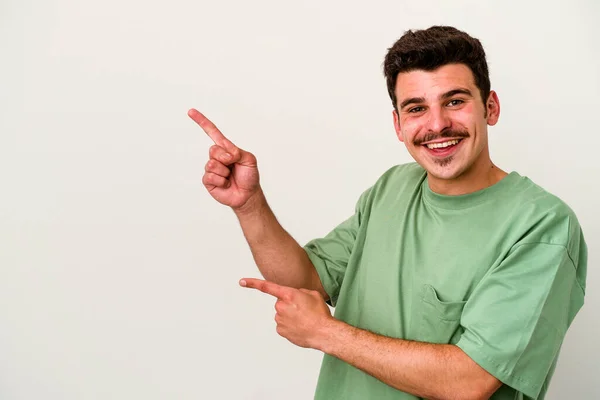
column 302, row 315
column 231, row 175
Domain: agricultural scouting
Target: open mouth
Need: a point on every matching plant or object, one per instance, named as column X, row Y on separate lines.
column 443, row 148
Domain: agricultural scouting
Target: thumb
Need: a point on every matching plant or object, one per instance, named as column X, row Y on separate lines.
column 243, row 157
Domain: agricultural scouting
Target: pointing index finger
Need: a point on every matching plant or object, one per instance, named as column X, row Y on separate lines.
column 281, row 292
column 211, row 130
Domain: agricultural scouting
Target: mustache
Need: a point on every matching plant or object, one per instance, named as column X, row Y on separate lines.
column 459, row 134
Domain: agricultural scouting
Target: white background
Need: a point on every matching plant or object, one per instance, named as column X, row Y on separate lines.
column 118, row 272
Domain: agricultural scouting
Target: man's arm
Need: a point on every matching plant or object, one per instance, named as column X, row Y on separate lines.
column 432, row 371
column 231, row 177
column 277, row 254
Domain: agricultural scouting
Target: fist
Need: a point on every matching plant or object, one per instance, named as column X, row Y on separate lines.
column 231, row 174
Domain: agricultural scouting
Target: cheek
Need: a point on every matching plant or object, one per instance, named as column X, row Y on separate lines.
column 410, row 128
column 466, row 119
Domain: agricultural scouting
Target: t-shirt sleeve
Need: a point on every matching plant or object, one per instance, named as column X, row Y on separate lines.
column 516, row 318
column 330, row 254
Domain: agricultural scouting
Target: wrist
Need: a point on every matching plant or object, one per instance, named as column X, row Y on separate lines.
column 255, row 204
column 330, row 334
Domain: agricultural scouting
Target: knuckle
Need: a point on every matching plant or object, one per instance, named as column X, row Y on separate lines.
column 215, row 151
column 235, row 152
column 210, row 178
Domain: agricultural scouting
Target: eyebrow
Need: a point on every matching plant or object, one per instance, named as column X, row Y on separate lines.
column 450, row 93
column 454, row 92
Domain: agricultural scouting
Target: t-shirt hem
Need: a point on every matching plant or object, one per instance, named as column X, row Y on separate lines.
column 493, row 367
column 329, row 284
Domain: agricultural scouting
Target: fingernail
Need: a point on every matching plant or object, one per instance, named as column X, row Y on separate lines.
column 227, row 156
column 242, row 283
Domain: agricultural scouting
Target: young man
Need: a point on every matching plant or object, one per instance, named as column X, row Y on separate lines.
column 453, row 279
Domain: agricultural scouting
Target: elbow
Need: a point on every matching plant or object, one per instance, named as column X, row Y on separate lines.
column 466, row 393
column 480, row 392
column 478, row 396
column 472, row 389
column 477, row 384
column 481, row 396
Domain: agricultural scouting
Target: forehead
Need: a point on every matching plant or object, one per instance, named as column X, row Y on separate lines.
column 430, row 84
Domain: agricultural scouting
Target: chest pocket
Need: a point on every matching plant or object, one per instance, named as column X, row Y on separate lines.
column 438, row 321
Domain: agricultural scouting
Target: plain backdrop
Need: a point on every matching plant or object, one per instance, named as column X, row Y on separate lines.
column 119, row 273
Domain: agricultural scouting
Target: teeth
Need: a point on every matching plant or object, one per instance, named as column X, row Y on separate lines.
column 443, row 144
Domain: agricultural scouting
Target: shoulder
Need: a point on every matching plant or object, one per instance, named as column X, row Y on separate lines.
column 547, row 219
column 537, row 205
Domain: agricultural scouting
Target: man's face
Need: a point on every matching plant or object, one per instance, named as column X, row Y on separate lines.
column 442, row 120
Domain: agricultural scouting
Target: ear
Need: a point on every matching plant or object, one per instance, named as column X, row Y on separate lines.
column 397, row 126
column 493, row 108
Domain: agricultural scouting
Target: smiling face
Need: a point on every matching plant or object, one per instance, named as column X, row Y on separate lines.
column 443, row 121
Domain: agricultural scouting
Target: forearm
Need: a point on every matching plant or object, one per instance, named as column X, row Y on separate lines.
column 277, row 254
column 432, row 371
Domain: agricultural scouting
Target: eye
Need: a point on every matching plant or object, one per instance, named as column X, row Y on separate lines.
column 416, row 109
column 455, row 102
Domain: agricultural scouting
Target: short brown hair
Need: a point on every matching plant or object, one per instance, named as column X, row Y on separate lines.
column 429, row 49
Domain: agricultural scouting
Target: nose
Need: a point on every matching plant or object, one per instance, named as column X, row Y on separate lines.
column 438, row 120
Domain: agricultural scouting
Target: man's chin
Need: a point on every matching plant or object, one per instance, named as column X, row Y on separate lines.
column 445, row 170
